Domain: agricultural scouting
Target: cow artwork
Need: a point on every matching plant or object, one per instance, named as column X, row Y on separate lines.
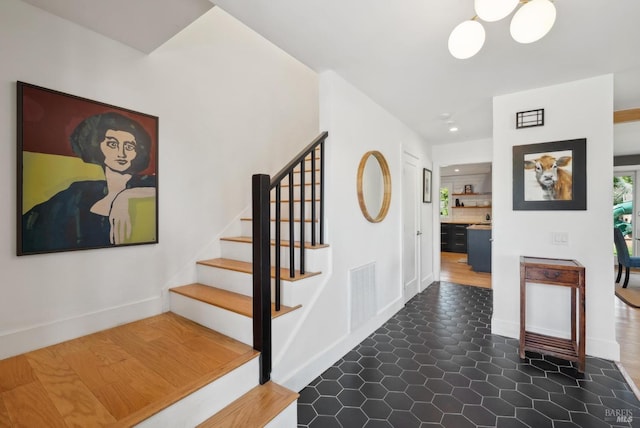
column 553, row 176
column 550, row 176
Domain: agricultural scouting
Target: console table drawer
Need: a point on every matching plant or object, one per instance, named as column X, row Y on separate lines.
column 569, row 277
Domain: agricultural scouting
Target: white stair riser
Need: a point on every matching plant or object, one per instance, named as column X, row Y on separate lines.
column 284, row 192
column 225, row 279
column 201, row 404
column 246, row 230
column 307, row 177
column 292, row 293
column 284, row 209
column 243, row 251
column 221, row 320
column 229, row 323
column 288, row 418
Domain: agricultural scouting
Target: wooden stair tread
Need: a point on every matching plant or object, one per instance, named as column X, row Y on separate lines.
column 283, row 243
column 120, row 376
column 256, row 408
column 234, row 302
column 247, row 267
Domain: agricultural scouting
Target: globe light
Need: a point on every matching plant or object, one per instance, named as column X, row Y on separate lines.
column 494, row 10
column 466, row 39
column 533, row 21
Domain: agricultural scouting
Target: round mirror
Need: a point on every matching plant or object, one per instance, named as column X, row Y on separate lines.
column 374, row 186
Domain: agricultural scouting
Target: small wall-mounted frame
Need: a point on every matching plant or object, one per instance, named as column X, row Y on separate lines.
column 530, row 118
column 468, row 188
column 426, row 185
column 550, row 176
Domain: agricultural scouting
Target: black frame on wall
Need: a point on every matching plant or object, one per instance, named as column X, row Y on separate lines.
column 578, row 149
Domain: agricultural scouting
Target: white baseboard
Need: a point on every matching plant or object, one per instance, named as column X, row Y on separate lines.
column 301, row 377
column 607, row 349
column 28, row 339
column 426, row 282
column 505, row 328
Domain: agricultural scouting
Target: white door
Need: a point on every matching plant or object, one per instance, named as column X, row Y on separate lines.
column 411, row 197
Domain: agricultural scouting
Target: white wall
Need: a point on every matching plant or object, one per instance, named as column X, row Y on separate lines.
column 230, row 104
column 356, row 125
column 572, row 110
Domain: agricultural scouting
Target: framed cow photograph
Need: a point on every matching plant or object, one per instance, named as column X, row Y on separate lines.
column 550, row 176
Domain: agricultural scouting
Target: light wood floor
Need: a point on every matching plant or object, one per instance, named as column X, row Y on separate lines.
column 627, row 317
column 628, row 335
column 116, row 377
column 452, row 269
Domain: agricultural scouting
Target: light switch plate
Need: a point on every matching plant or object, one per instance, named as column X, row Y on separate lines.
column 560, row 238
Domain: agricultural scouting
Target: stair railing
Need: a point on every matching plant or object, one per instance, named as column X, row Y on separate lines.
column 262, row 187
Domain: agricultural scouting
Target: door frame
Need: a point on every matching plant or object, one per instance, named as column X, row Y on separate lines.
column 414, row 161
column 626, row 171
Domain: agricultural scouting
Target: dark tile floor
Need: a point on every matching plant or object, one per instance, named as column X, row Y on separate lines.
column 436, row 363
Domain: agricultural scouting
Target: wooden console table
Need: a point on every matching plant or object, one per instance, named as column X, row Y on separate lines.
column 567, row 273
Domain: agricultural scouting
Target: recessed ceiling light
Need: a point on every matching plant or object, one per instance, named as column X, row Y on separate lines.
column 456, row 170
column 453, row 129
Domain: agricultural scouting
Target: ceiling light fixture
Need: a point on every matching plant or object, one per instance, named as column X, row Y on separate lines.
column 531, row 22
column 466, row 39
column 494, row 10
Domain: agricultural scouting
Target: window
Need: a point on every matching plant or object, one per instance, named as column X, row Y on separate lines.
column 444, row 201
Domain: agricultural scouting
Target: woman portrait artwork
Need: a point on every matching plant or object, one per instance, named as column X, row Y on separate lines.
column 87, row 180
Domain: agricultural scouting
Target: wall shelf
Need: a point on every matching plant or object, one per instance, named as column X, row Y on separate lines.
column 471, row 194
column 475, row 206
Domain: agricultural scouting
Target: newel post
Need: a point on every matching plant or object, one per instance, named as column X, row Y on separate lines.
column 261, row 273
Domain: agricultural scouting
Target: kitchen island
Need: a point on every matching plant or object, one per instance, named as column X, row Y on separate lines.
column 479, row 247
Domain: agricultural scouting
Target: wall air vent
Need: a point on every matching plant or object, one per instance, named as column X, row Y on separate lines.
column 362, row 294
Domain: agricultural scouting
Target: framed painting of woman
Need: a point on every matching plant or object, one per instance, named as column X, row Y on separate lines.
column 87, row 173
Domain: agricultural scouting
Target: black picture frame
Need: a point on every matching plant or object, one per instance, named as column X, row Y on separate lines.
column 426, row 186
column 87, row 173
column 529, row 194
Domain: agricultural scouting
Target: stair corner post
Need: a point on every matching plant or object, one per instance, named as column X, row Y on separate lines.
column 262, row 273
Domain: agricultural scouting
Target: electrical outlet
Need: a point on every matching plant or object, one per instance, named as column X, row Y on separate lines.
column 560, row 238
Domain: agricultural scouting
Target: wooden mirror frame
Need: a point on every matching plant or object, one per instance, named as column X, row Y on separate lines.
column 386, row 178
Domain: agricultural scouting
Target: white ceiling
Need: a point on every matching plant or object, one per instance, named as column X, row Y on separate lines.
column 141, row 24
column 465, row 169
column 396, row 52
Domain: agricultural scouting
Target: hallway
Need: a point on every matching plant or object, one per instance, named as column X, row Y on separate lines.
column 436, row 363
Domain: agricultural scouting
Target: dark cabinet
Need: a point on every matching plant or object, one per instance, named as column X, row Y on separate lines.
column 444, row 236
column 479, row 249
column 453, row 237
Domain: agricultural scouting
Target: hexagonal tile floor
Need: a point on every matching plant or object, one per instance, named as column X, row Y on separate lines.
column 436, row 363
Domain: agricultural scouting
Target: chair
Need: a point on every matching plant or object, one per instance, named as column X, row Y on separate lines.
column 623, row 257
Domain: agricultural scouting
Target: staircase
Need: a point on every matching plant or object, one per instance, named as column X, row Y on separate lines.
column 231, row 289
column 207, row 362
